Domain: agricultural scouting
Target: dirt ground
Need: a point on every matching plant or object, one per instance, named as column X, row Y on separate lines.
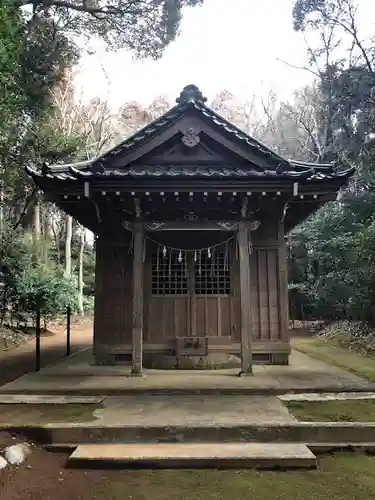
column 20, row 360
column 43, row 476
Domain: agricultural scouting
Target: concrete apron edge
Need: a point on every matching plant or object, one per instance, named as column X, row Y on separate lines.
column 187, row 391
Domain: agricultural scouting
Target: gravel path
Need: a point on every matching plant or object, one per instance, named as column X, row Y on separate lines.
column 18, row 361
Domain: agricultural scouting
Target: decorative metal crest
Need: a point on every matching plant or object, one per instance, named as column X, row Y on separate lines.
column 190, row 139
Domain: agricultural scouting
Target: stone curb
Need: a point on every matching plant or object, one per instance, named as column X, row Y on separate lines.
column 25, row 399
column 315, row 396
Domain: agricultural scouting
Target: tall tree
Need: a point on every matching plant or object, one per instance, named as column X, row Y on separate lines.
column 333, row 252
column 33, row 58
column 343, row 62
column 143, row 26
column 294, row 129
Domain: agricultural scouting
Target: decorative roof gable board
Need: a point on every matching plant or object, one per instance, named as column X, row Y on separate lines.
column 175, row 152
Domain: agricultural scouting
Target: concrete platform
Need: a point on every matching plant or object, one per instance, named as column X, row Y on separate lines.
column 76, row 375
column 193, row 455
column 191, row 410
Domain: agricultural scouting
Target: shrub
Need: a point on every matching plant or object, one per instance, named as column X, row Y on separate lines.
column 88, row 304
column 15, row 257
column 45, row 289
column 358, row 336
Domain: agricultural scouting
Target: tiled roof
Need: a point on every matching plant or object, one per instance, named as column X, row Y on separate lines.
column 191, row 98
column 176, row 113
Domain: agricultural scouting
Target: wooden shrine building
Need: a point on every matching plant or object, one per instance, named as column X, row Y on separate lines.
column 190, row 216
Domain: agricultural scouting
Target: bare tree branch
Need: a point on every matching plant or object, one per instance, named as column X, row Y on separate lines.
column 305, row 68
column 129, row 8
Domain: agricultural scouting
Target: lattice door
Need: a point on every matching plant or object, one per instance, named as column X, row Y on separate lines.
column 190, row 294
column 212, row 274
column 211, row 296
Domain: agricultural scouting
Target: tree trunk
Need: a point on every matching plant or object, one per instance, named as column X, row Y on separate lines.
column 36, row 230
column 49, row 226
column 80, row 273
column 36, row 222
column 1, row 206
column 56, row 238
column 68, row 245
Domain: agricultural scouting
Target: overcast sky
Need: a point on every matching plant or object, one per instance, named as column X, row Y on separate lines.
column 225, row 44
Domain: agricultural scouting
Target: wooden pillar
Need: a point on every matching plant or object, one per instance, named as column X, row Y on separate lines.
column 283, row 287
column 137, row 334
column 244, row 256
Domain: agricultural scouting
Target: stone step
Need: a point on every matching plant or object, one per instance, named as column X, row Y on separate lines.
column 193, row 455
column 316, row 447
column 295, row 432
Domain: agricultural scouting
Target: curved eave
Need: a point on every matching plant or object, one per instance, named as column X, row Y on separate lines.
column 73, row 174
column 39, row 176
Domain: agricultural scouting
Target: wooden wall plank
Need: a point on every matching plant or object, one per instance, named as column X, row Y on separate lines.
column 168, row 318
column 235, row 312
column 273, row 295
column 254, row 296
column 200, row 327
column 113, row 298
column 263, row 295
column 283, row 287
column 225, row 306
column 168, row 329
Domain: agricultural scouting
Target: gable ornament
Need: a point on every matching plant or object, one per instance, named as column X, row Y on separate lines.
column 191, row 138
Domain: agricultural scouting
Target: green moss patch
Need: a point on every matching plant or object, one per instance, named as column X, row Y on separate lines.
column 31, row 414
column 340, row 477
column 362, row 410
column 359, row 364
